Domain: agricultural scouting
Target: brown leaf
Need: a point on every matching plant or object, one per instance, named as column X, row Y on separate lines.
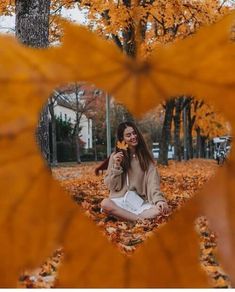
column 35, row 213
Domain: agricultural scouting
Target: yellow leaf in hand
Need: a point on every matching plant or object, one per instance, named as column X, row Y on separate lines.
column 122, row 145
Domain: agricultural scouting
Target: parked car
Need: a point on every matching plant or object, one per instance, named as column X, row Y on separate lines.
column 171, row 152
column 155, row 153
column 222, row 143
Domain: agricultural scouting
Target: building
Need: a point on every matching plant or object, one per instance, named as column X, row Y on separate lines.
column 65, row 107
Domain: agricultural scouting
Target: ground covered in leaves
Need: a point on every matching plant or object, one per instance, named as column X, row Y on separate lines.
column 179, row 182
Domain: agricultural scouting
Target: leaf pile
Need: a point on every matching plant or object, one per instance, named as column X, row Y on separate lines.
column 71, row 170
column 179, row 181
column 44, row 276
column 208, row 244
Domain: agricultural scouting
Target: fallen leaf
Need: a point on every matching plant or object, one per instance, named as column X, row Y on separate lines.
column 37, row 216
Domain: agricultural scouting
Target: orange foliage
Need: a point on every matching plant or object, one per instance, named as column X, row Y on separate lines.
column 180, row 181
column 211, row 123
column 7, row 7
column 37, row 216
column 161, row 21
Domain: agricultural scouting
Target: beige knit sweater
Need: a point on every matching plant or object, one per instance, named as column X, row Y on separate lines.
column 146, row 184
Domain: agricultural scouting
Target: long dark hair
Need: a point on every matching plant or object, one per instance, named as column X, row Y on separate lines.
column 142, row 151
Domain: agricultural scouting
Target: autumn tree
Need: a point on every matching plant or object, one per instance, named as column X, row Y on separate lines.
column 83, row 106
column 183, row 110
column 157, row 22
column 179, row 105
column 189, row 128
column 137, row 27
column 192, row 113
column 139, row 23
column 209, row 123
column 202, row 123
column 166, row 131
column 51, row 104
column 73, row 96
column 99, row 127
column 151, row 125
column 81, row 99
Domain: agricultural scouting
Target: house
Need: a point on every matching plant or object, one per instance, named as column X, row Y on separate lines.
column 65, row 107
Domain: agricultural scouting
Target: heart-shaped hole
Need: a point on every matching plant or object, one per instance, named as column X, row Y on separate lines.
column 186, row 137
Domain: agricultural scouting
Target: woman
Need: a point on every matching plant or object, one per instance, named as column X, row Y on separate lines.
column 133, row 169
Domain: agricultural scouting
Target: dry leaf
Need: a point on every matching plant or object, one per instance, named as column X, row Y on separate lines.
column 34, row 210
column 36, row 215
column 122, row 145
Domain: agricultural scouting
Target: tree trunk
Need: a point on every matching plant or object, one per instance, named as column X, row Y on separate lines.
column 95, row 138
column 166, row 132
column 32, row 22
column 78, row 119
column 54, row 161
column 129, row 45
column 32, row 29
column 189, row 131
column 78, row 149
column 203, row 146
column 42, row 134
column 177, row 124
column 185, row 126
column 207, row 149
column 198, row 147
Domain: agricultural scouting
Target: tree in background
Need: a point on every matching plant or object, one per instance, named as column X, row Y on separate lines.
column 151, row 125
column 158, row 22
column 119, row 114
column 99, row 126
column 51, row 104
column 203, row 123
column 65, row 140
column 166, row 131
column 82, row 99
column 209, row 123
column 137, row 27
column 180, row 103
column 155, row 21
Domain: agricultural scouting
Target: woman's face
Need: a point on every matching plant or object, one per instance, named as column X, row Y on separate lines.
column 130, row 137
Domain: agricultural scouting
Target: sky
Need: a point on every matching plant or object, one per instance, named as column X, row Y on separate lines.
column 7, row 23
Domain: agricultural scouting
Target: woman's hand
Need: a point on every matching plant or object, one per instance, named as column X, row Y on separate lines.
column 163, row 207
column 117, row 158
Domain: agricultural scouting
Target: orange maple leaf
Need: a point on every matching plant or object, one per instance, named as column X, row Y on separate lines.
column 122, row 145
column 36, row 215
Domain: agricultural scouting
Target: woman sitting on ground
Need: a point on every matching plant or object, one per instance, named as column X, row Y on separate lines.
column 133, row 168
